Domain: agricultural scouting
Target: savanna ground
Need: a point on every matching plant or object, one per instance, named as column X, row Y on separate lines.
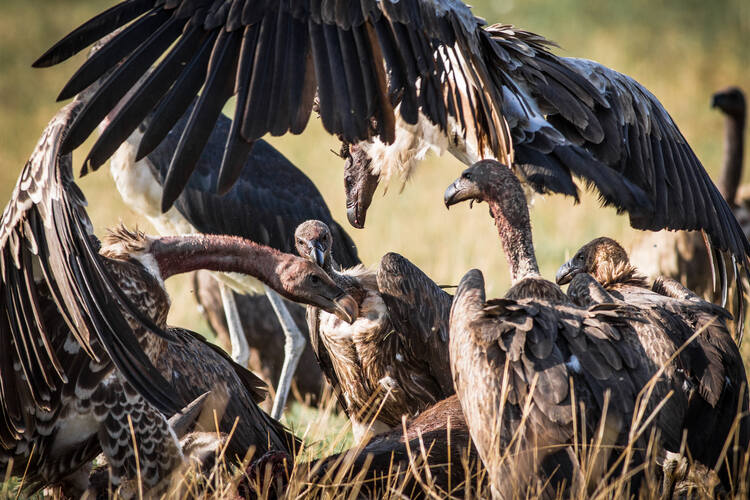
column 682, row 50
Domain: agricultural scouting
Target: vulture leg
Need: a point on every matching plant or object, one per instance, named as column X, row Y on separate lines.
column 240, row 347
column 294, row 344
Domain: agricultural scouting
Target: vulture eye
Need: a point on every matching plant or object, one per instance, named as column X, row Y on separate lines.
column 314, row 279
column 466, row 175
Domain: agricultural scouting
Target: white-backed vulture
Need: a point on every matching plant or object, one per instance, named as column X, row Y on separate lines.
column 718, row 381
column 270, row 198
column 535, row 373
column 393, row 359
column 394, row 78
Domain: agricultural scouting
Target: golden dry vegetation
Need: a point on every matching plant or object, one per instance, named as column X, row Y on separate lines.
column 682, row 50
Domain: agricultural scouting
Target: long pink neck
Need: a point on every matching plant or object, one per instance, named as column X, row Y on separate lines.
column 516, row 239
column 182, row 254
column 731, row 173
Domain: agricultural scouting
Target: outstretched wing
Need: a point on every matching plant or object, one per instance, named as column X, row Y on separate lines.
column 576, row 117
column 275, row 56
column 47, row 249
column 419, row 311
column 269, row 200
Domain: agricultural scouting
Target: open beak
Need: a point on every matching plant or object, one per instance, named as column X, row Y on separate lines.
column 461, row 190
column 566, row 272
column 346, row 308
column 317, row 252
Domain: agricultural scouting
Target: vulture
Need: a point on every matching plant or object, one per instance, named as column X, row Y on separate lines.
column 682, row 255
column 430, row 454
column 86, row 358
column 270, row 198
column 539, row 376
column 393, row 79
column 393, row 359
column 264, row 337
column 719, row 384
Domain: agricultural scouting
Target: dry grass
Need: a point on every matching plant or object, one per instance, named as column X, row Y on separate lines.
column 682, row 50
column 606, row 471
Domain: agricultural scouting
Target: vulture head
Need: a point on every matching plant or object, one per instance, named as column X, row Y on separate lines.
column 495, row 183
column 294, row 278
column 731, row 101
column 313, row 241
column 603, row 258
column 360, row 184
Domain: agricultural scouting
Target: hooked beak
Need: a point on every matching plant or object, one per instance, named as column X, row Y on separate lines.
column 461, row 190
column 346, row 308
column 356, row 215
column 317, row 252
column 360, row 186
column 566, row 272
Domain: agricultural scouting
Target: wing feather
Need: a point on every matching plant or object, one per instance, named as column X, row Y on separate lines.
column 46, row 249
column 339, row 47
column 419, row 311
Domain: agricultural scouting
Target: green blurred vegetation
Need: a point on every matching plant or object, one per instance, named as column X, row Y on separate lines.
column 682, row 50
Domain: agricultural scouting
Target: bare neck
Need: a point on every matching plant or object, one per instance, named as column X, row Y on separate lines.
column 731, row 172
column 182, row 254
column 516, row 240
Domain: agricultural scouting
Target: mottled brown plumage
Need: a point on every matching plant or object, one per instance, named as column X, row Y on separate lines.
column 82, row 336
column 533, row 367
column 711, row 364
column 393, row 360
column 607, row 262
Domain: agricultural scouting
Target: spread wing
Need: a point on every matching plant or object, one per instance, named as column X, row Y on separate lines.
column 47, row 249
column 419, row 311
column 360, row 57
column 574, row 117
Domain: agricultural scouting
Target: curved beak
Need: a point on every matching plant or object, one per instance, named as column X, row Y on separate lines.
column 317, row 252
column 461, row 190
column 356, row 215
column 566, row 272
column 346, row 308
column 360, row 186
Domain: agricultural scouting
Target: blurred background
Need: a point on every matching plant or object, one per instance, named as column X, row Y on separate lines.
column 681, row 50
